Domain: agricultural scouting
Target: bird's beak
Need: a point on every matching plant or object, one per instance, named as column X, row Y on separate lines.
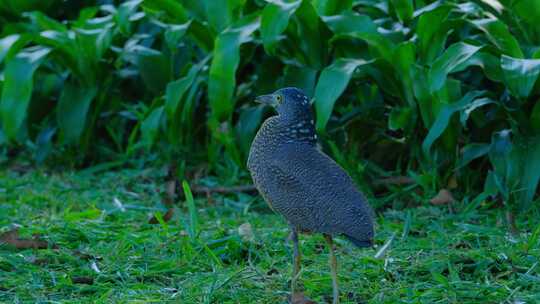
column 266, row 99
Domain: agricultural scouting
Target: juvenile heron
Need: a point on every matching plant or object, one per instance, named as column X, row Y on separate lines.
column 303, row 184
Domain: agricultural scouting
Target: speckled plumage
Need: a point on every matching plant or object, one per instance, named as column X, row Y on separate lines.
column 300, row 182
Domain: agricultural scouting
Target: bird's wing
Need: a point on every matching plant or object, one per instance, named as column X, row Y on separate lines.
column 325, row 197
column 311, row 169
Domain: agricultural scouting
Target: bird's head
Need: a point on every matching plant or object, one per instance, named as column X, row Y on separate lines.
column 290, row 103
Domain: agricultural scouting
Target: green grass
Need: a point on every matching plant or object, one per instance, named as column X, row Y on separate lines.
column 436, row 256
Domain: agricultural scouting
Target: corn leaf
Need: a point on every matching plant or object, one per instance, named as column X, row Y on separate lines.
column 432, row 30
column 332, row 7
column 455, row 55
column 331, row 84
column 220, row 14
column 520, row 75
column 443, row 118
column 497, row 32
column 471, row 152
column 361, row 27
column 17, row 88
column 404, row 9
column 176, row 89
column 226, row 57
column 72, row 111
column 5, row 45
column 274, row 20
column 151, row 125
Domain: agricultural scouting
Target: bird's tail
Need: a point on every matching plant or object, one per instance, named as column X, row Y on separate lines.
column 360, row 243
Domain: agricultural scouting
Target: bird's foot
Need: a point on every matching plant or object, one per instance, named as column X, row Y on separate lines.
column 299, row 298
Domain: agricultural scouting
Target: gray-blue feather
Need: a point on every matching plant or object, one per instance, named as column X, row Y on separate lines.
column 300, row 182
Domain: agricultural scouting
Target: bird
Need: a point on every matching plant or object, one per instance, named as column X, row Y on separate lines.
column 304, row 185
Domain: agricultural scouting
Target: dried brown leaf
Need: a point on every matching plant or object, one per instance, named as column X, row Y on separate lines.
column 82, row 280
column 246, row 232
column 170, row 192
column 12, row 238
column 299, row 298
column 444, row 197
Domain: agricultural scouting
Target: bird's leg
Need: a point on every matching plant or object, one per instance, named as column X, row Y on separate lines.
column 333, row 268
column 296, row 260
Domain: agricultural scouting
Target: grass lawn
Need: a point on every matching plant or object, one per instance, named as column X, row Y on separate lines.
column 103, row 250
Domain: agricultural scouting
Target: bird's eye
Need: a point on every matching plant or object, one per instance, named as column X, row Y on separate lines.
column 279, row 99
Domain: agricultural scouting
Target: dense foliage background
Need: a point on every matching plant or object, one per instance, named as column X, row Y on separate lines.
column 443, row 92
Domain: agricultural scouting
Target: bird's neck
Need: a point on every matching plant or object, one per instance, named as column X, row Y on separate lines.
column 276, row 132
column 297, row 130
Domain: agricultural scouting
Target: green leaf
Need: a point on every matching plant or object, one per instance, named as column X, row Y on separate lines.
column 248, row 122
column 403, row 58
column 497, row 32
column 404, row 9
column 311, row 39
column 193, row 228
column 44, row 22
column 274, row 21
column 90, row 47
column 477, row 103
column 174, row 34
column 202, row 35
column 16, row 8
column 3, row 139
column 125, row 14
column 520, row 74
column 300, row 77
column 220, row 14
column 528, row 154
column 529, row 12
column 172, row 8
column 226, row 57
column 443, row 118
column 5, row 45
column 154, row 68
column 432, row 30
column 516, row 166
column 422, row 94
column 501, row 146
column 472, row 151
column 400, row 118
column 150, row 126
column 455, row 55
column 428, row 8
column 44, row 144
column 17, row 88
column 332, row 7
column 490, row 185
column 535, row 117
column 331, row 84
column 91, row 213
column 196, row 8
column 187, row 117
column 72, row 110
column 534, row 239
column 176, row 89
column 489, row 63
column 361, row 27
